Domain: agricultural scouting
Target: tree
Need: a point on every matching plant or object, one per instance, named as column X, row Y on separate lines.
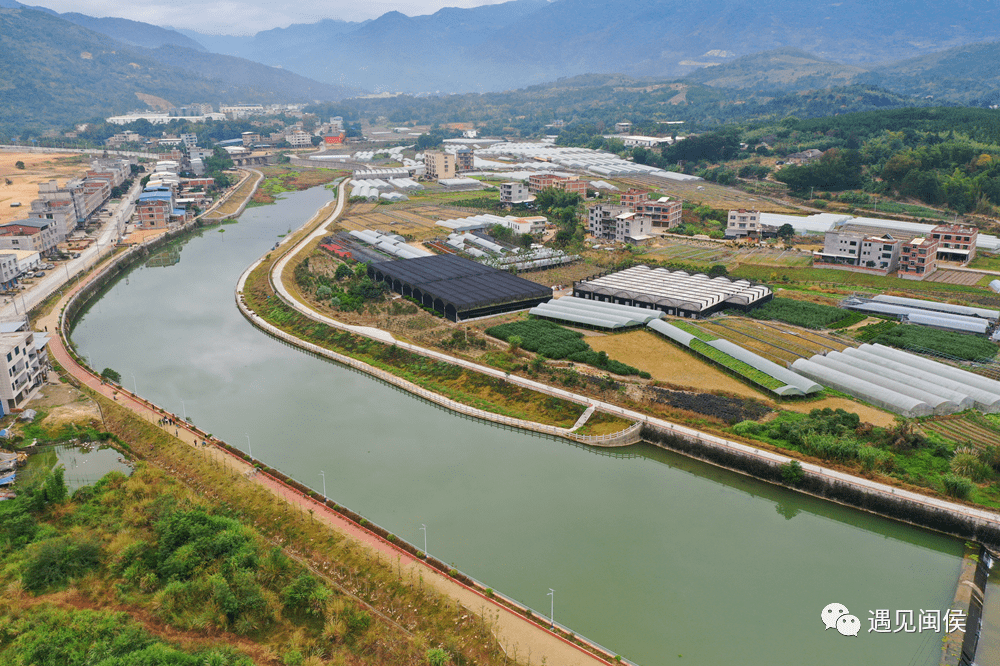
column 718, row 270
column 786, row 231
column 111, row 375
column 19, row 164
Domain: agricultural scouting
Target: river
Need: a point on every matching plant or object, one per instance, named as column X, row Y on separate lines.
column 662, row 559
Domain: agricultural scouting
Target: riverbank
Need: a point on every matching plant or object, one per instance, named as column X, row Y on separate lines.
column 963, row 521
column 516, row 631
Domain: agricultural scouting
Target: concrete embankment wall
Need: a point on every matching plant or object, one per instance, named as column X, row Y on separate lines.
column 886, row 504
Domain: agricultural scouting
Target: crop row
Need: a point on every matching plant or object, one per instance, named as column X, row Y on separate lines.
column 697, row 332
column 735, row 365
column 798, row 313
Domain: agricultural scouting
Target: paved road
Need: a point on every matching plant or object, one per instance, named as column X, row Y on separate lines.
column 982, row 515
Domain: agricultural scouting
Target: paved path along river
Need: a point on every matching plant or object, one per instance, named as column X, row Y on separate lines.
column 651, row 554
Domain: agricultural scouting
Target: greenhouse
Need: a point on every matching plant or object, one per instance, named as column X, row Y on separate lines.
column 876, row 395
column 968, row 311
column 880, row 375
column 600, row 315
column 984, row 401
column 944, row 320
column 458, row 288
column 783, row 381
column 673, row 292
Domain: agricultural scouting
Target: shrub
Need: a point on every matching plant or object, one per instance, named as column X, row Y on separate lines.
column 55, row 561
column 968, row 465
column 956, row 486
column 876, row 459
column 792, row 472
column 436, row 657
column 111, row 375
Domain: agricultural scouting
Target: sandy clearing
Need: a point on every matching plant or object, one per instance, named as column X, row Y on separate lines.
column 39, row 168
column 667, row 363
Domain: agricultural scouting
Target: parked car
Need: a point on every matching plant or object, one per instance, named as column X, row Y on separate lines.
column 76, row 255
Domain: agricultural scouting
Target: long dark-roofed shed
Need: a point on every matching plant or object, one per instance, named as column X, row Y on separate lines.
column 458, row 288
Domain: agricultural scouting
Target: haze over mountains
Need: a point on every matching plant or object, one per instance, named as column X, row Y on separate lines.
column 524, row 42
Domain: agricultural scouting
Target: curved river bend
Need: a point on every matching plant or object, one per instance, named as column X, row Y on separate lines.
column 663, row 559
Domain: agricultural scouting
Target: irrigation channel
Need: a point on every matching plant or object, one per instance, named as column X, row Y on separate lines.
column 661, row 558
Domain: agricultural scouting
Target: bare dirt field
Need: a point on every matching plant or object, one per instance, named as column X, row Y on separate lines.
column 38, row 168
column 668, row 363
column 65, row 404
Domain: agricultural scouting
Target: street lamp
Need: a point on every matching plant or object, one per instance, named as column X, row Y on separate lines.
column 323, row 474
column 184, row 410
column 249, row 450
column 552, row 608
column 424, row 528
column 135, row 388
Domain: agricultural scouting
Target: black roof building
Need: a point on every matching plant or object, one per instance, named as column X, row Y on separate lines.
column 458, row 288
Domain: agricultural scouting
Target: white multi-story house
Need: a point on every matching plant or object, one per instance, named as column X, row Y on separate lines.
column 25, row 361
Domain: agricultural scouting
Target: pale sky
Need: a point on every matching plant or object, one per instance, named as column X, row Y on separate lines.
column 247, row 16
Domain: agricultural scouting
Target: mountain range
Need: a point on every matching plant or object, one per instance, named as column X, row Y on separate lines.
column 55, row 71
column 525, row 42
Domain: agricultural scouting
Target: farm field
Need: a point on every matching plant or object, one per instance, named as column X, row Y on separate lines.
column 563, row 275
column 710, row 194
column 955, row 277
column 780, row 343
column 964, row 430
column 38, row 168
column 708, row 254
column 667, row 363
column 415, row 220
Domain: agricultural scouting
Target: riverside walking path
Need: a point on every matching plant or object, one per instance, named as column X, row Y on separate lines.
column 981, row 516
column 517, row 635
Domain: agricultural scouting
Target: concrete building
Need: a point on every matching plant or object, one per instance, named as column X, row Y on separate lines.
column 514, row 192
column 250, row 139
column 541, row 181
column 525, row 225
column 632, row 197
column 440, row 165
column 157, row 208
column 8, row 269
column 27, row 260
column 618, row 223
column 956, row 243
column 23, row 355
column 664, row 214
column 31, row 234
column 189, row 140
column 747, row 224
column 623, row 127
column 299, row 139
column 463, row 160
column 918, row 258
column 859, row 251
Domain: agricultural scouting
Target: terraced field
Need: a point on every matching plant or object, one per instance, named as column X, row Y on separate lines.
column 780, row 343
column 955, row 277
column 964, row 430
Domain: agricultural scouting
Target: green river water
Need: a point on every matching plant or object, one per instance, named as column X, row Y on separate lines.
column 660, row 558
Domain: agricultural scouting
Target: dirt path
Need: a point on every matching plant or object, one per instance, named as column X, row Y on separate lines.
column 518, row 635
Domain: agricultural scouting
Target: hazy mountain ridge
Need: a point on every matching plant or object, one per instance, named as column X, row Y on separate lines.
column 514, row 44
column 133, row 32
column 54, row 72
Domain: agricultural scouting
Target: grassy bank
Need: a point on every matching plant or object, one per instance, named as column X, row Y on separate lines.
column 471, row 388
column 204, row 561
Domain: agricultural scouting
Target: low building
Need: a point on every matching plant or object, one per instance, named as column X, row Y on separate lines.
column 514, row 192
column 31, row 234
column 918, row 258
column 23, row 353
column 956, row 243
column 27, row 260
column 525, row 225
column 250, row 139
column 157, row 208
column 805, row 156
column 439, row 165
column 747, row 224
column 618, row 223
column 9, row 271
column 623, row 127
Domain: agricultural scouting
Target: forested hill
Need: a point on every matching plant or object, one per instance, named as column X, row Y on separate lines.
column 54, row 73
column 600, row 100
